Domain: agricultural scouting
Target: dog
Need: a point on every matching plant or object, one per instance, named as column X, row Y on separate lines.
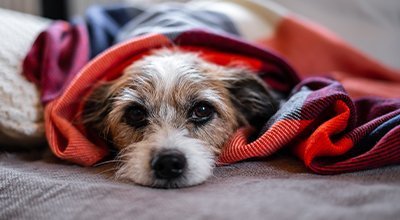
column 170, row 114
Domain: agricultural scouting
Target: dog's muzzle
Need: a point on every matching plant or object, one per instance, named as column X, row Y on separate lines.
column 168, row 164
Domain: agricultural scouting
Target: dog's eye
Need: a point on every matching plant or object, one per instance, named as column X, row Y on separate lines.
column 136, row 116
column 202, row 112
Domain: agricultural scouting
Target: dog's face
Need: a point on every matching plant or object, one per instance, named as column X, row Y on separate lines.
column 170, row 114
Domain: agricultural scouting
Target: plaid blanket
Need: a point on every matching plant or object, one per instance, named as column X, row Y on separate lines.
column 342, row 112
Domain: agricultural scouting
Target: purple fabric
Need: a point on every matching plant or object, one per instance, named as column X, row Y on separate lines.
column 56, row 57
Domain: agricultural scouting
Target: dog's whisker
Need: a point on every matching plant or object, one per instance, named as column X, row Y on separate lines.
column 109, row 170
column 107, row 162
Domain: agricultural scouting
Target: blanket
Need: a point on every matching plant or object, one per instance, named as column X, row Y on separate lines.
column 21, row 113
column 346, row 121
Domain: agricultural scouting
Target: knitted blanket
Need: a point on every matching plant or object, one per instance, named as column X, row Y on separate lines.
column 21, row 113
column 342, row 112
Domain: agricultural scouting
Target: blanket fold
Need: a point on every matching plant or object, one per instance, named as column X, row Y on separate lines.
column 325, row 128
column 56, row 56
column 324, row 122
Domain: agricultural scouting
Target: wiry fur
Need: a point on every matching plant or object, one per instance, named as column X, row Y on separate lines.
column 168, row 83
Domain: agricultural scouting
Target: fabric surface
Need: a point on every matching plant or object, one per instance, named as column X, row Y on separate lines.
column 175, row 18
column 327, row 130
column 104, row 24
column 323, row 123
column 21, row 114
column 277, row 188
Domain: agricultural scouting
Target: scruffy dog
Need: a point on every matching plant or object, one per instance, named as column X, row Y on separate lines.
column 170, row 114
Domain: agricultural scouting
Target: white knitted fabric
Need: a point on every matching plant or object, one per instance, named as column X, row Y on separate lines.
column 21, row 113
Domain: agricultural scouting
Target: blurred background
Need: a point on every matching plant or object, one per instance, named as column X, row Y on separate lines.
column 371, row 26
column 55, row 9
column 63, row 9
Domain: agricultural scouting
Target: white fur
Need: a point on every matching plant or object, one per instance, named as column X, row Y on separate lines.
column 138, row 157
column 167, row 69
column 128, row 95
column 212, row 95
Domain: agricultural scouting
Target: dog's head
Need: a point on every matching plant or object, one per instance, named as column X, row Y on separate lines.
column 170, row 114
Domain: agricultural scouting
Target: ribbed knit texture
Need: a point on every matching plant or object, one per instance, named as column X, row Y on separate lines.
column 21, row 113
column 324, row 127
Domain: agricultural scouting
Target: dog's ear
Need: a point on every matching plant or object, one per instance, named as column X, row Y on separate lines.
column 251, row 96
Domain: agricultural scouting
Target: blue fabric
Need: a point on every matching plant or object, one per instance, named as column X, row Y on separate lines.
column 104, row 23
column 382, row 130
column 176, row 18
column 377, row 134
column 115, row 23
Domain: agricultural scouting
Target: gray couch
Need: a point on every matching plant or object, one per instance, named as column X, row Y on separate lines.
column 274, row 188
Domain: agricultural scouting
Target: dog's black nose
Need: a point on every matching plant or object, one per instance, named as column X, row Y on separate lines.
column 168, row 164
